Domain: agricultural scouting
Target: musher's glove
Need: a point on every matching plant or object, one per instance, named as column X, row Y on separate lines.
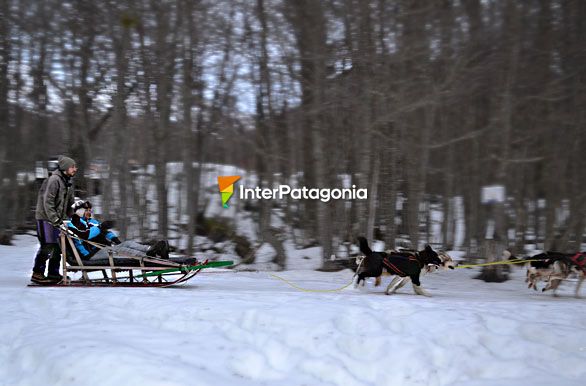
column 116, row 241
column 66, row 230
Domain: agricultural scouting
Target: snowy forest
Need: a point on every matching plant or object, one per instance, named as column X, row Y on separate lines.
column 423, row 103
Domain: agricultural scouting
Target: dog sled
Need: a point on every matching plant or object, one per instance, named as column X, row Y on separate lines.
column 124, row 270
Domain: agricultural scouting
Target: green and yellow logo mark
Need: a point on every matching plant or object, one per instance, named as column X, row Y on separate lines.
column 226, row 184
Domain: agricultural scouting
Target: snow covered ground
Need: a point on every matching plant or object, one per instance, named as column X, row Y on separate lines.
column 247, row 328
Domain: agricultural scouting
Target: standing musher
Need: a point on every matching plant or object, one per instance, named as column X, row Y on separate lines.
column 53, row 207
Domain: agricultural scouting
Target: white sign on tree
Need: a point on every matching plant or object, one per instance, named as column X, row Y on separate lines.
column 493, row 194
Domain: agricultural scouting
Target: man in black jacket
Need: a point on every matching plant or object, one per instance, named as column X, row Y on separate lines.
column 53, row 207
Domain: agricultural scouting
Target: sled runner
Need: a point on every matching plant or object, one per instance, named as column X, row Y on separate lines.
column 125, row 271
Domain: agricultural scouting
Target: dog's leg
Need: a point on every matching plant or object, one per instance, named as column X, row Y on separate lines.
column 553, row 284
column 533, row 279
column 417, row 286
column 359, row 278
column 377, row 281
column 580, row 280
column 404, row 281
column 529, row 281
column 560, row 272
column 420, row 291
column 393, row 285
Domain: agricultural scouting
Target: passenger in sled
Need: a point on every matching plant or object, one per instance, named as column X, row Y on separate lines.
column 102, row 239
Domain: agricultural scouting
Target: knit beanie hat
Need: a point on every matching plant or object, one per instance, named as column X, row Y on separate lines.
column 65, row 163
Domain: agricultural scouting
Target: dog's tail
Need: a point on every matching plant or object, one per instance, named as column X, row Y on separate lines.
column 364, row 248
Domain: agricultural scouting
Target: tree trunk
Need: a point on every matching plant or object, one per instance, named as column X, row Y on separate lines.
column 5, row 53
column 187, row 100
column 121, row 41
column 309, row 24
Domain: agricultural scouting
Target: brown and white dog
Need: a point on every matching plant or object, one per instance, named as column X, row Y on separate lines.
column 555, row 267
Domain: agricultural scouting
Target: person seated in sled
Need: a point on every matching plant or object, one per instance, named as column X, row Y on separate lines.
column 85, row 227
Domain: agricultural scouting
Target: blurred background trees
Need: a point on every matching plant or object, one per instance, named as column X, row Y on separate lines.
column 421, row 102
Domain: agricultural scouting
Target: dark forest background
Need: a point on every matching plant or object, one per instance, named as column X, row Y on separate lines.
column 422, row 102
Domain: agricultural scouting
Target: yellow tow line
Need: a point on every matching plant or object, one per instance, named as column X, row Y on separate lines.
column 495, row 263
column 352, row 281
column 313, row 290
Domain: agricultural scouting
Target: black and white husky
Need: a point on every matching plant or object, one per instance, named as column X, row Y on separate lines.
column 405, row 265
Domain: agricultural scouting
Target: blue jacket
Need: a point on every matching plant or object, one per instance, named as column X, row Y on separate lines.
column 88, row 230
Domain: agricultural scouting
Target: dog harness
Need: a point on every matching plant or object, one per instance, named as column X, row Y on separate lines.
column 580, row 260
column 393, row 268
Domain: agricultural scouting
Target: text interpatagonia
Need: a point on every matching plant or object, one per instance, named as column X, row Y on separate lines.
column 303, row 193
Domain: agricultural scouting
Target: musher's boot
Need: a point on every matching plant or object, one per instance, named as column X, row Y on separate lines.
column 40, row 278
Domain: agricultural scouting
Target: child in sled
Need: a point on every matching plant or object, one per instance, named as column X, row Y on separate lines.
column 85, row 227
